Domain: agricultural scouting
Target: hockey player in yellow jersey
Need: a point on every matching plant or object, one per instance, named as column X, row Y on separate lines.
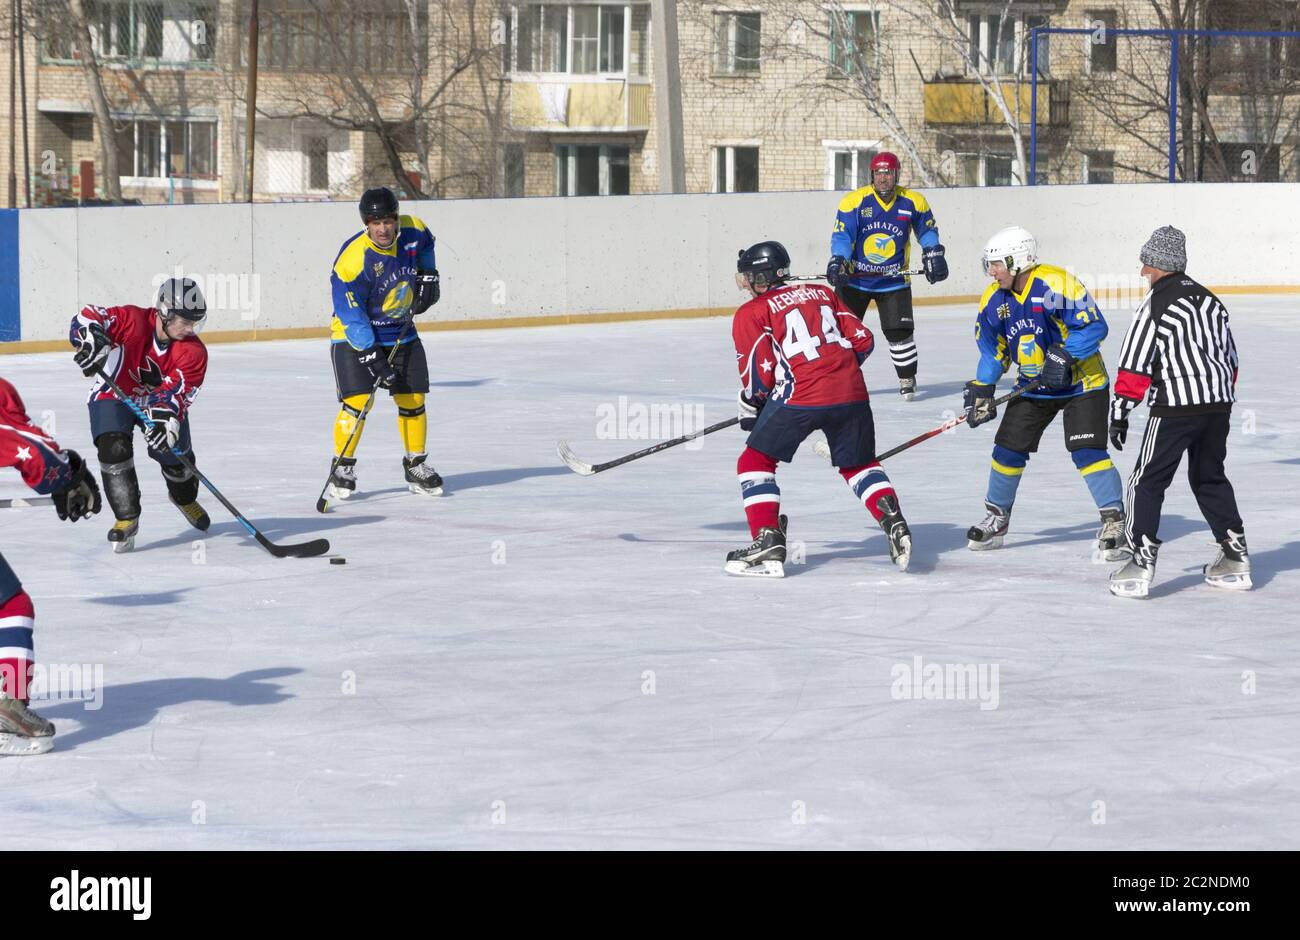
column 1042, row 319
column 871, row 247
column 382, row 277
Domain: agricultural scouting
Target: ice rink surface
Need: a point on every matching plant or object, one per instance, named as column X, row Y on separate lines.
column 540, row 660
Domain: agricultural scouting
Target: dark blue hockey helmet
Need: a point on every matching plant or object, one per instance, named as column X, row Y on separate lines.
column 378, row 203
column 762, row 266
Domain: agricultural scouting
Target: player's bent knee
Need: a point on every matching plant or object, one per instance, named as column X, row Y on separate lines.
column 354, row 403
column 1089, row 459
column 1011, row 459
column 898, row 337
column 113, row 447
column 409, row 404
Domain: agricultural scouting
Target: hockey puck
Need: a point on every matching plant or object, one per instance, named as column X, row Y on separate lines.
column 338, row 561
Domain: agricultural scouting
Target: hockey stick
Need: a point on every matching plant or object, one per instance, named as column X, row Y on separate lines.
column 586, row 469
column 21, row 501
column 886, row 272
column 322, row 504
column 822, row 449
column 301, row 550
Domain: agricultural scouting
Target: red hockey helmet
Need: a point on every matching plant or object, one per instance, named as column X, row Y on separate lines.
column 884, row 161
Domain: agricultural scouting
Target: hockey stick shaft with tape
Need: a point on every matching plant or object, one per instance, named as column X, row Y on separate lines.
column 586, row 469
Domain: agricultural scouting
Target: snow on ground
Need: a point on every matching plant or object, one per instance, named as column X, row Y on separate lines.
column 540, row 660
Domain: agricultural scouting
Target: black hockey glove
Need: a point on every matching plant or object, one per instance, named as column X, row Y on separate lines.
column 166, row 429
column 978, row 401
column 1058, row 370
column 427, row 292
column 377, row 364
column 936, row 268
column 80, row 497
column 838, row 270
column 749, row 411
column 1118, row 433
column 93, row 346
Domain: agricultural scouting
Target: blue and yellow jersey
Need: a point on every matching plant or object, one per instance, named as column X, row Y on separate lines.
column 1019, row 327
column 875, row 235
column 373, row 287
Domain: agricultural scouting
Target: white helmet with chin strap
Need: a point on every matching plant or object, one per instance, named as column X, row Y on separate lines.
column 1014, row 247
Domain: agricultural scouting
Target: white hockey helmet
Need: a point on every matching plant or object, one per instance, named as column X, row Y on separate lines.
column 1014, row 247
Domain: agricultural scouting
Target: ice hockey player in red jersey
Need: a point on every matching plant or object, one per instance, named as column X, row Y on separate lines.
column 155, row 356
column 62, row 475
column 799, row 350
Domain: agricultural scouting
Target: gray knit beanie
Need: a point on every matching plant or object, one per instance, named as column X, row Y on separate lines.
column 1166, row 249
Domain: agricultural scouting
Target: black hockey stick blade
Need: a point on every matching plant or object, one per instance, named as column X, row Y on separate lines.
column 586, row 469
column 302, row 550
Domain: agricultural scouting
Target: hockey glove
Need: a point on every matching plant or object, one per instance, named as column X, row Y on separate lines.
column 1118, row 433
column 427, row 292
column 978, row 401
column 377, row 364
column 749, row 411
column 838, row 270
column 1058, row 369
column 162, row 436
column 93, row 346
column 80, row 497
column 936, row 268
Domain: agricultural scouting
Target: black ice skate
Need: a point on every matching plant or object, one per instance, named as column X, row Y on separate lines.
column 1112, row 545
column 895, row 527
column 194, row 513
column 343, row 481
column 122, row 535
column 1231, row 570
column 421, row 479
column 764, row 558
column 907, row 387
column 989, row 533
column 22, row 731
column 1134, row 579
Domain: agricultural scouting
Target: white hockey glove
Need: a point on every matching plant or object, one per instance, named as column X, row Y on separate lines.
column 166, row 430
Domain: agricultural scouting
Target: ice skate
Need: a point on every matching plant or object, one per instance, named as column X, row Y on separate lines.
column 907, row 388
column 895, row 527
column 420, row 478
column 122, row 535
column 22, row 731
column 764, row 558
column 1111, row 542
column 1231, row 569
column 343, row 481
column 989, row 533
column 194, row 513
column 1134, row 579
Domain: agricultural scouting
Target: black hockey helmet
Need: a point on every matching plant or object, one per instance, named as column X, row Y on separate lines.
column 763, row 265
column 378, row 203
column 181, row 297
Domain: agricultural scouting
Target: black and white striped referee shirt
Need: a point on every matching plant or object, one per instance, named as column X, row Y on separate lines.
column 1178, row 352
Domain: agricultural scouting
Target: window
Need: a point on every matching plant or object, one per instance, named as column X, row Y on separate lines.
column 318, row 169
column 853, row 39
column 512, row 169
column 738, row 36
column 591, row 170
column 997, row 171
column 1001, row 46
column 579, row 39
column 152, row 148
column 848, row 166
column 735, row 169
column 979, row 169
column 1099, row 166
column 296, row 37
column 1103, row 44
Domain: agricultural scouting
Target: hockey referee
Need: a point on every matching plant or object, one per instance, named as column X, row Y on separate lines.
column 1180, row 354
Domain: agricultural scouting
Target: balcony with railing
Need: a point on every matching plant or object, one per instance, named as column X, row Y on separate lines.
column 965, row 101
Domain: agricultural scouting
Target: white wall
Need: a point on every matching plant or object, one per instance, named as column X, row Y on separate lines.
column 539, row 257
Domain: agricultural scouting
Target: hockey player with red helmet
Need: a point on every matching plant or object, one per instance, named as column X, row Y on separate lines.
column 871, row 246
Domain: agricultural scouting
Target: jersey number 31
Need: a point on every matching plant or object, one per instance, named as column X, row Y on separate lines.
column 800, row 341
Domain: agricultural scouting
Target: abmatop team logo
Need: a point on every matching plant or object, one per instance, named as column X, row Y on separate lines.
column 877, row 248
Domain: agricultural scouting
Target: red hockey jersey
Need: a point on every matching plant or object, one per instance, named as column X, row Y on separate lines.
column 800, row 345
column 154, row 374
column 27, row 448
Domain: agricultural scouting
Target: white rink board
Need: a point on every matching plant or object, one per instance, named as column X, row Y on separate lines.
column 501, row 639
column 551, row 257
